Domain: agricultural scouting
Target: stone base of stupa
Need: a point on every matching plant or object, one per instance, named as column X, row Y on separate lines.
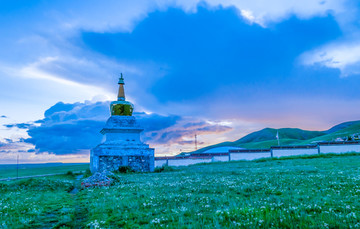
column 122, row 147
column 111, row 157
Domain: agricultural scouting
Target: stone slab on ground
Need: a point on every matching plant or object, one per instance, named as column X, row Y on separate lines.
column 97, row 180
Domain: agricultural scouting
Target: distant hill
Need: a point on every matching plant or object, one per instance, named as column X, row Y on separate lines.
column 284, row 133
column 341, row 126
column 266, row 138
column 341, row 130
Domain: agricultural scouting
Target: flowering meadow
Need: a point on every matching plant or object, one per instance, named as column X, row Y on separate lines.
column 291, row 193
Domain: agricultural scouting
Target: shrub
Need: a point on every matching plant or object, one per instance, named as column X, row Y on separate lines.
column 87, row 173
column 125, row 169
column 3, row 187
column 70, row 173
column 164, row 168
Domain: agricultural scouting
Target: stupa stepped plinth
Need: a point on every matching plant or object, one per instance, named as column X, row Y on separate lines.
column 122, row 145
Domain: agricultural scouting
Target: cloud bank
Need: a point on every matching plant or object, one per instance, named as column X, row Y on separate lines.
column 74, row 129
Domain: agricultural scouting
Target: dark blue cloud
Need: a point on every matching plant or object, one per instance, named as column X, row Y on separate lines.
column 155, row 122
column 8, row 140
column 69, row 128
column 216, row 48
column 5, row 151
column 194, row 124
column 176, row 135
column 172, row 129
column 3, row 116
column 59, row 107
column 74, row 128
column 18, row 125
column 66, row 138
column 2, row 144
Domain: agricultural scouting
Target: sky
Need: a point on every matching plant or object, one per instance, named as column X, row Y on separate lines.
column 217, row 69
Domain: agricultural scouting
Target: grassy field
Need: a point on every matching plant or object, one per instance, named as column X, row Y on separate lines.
column 40, row 169
column 290, row 193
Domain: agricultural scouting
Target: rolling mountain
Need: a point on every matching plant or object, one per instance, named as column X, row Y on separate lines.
column 285, row 133
column 266, row 138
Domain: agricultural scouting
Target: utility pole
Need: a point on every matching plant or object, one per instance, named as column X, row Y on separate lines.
column 195, row 142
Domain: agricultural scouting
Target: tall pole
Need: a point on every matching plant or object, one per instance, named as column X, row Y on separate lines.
column 17, row 167
column 278, row 138
column 195, row 142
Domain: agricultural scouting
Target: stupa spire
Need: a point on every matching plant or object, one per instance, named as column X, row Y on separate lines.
column 121, row 93
column 120, row 106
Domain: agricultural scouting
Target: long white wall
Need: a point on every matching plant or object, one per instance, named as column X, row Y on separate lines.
column 188, row 161
column 248, row 156
column 339, row 148
column 293, row 152
column 220, row 158
column 160, row 163
column 277, row 152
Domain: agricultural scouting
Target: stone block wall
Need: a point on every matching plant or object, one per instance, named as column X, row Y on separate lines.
column 139, row 163
column 112, row 163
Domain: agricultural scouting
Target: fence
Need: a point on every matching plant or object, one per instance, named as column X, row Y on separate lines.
column 338, row 147
column 252, row 154
column 281, row 151
column 181, row 161
column 248, row 154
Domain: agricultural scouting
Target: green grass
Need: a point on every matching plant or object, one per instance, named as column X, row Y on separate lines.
column 269, row 143
column 301, row 192
column 40, row 169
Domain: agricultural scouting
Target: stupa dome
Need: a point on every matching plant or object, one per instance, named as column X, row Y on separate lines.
column 123, row 108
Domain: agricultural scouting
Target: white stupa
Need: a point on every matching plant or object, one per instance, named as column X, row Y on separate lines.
column 122, row 145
